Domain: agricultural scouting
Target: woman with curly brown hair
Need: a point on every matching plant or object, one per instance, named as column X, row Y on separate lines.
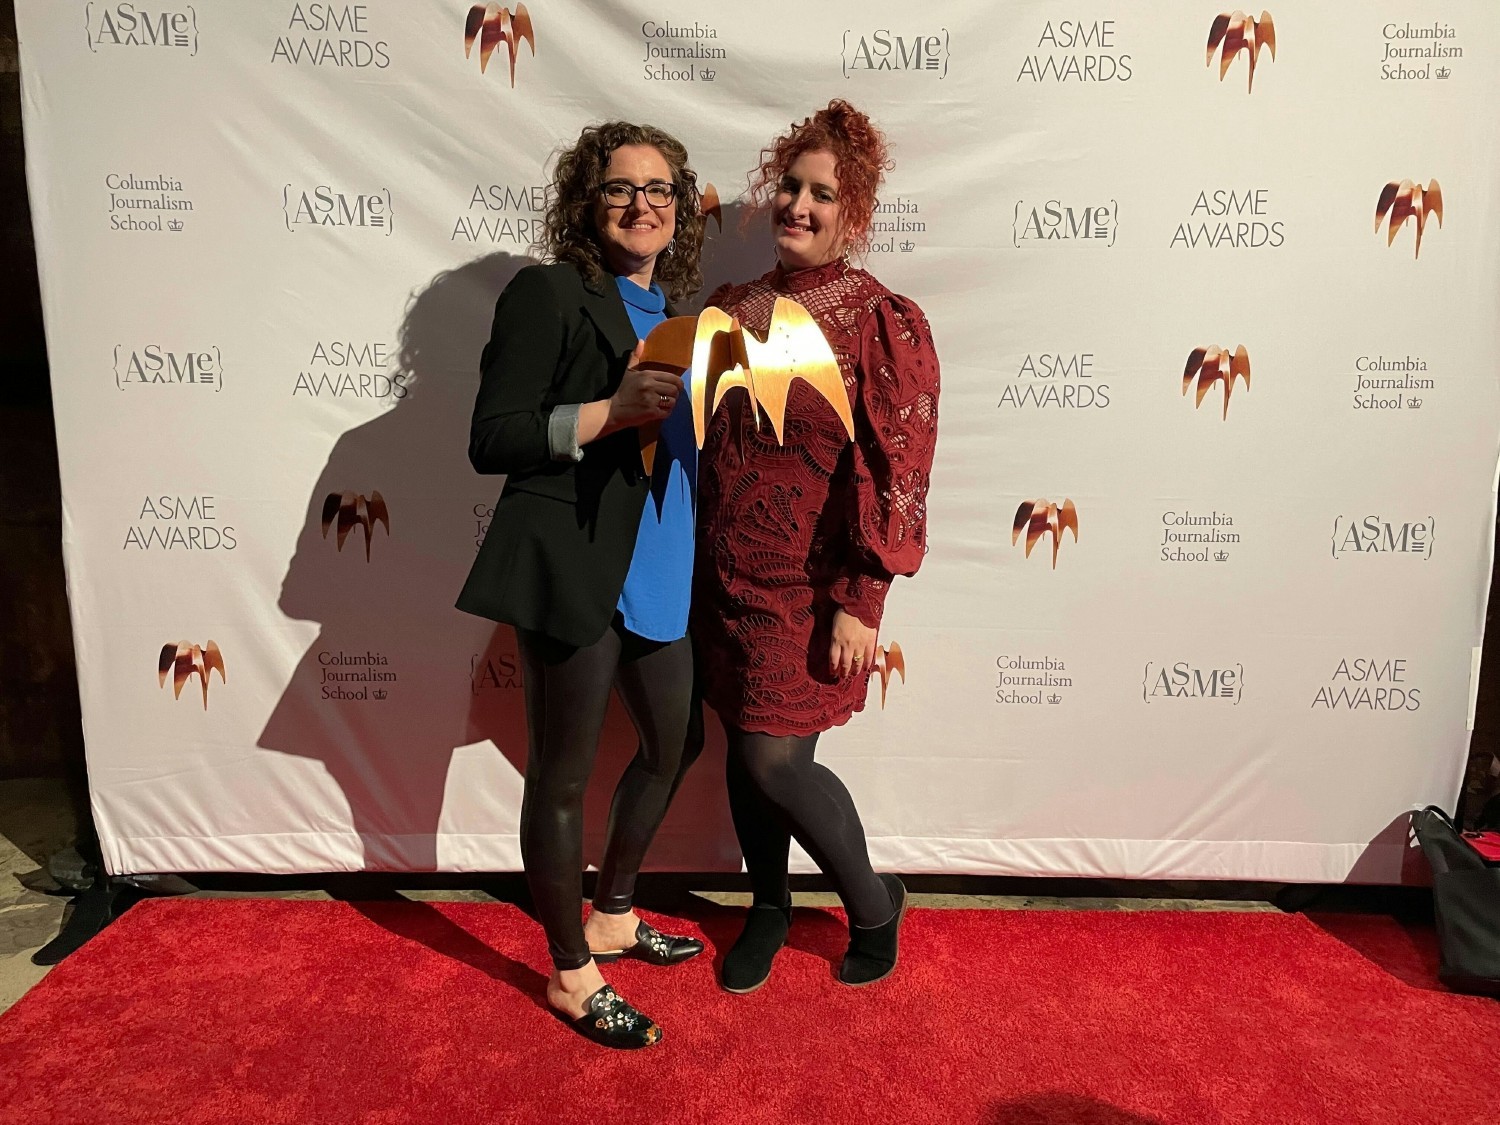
column 590, row 553
column 799, row 539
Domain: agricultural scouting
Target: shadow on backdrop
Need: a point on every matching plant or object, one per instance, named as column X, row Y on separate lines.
column 454, row 679
column 734, row 255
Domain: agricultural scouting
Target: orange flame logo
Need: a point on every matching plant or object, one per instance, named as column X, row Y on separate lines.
column 185, row 660
column 493, row 24
column 1041, row 517
column 1406, row 200
column 352, row 510
column 1212, row 365
column 1237, row 32
column 723, row 354
column 887, row 661
column 709, row 206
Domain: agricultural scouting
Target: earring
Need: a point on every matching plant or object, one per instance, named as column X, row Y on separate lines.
column 672, row 247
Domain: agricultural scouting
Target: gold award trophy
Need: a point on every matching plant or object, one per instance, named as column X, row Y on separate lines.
column 721, row 354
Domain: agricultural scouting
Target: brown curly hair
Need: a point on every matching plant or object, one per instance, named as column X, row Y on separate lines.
column 861, row 160
column 569, row 233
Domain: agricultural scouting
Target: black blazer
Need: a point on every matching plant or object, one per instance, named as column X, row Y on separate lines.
column 559, row 545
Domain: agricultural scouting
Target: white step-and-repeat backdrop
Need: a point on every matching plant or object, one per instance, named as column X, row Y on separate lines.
column 1225, row 283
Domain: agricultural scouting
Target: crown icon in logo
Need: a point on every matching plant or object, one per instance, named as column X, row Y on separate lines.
column 709, row 205
column 887, row 661
column 352, row 510
column 1238, row 32
column 174, row 224
column 493, row 24
column 185, row 660
column 1443, row 72
column 1212, row 365
column 1041, row 517
column 1406, row 200
column 1054, row 698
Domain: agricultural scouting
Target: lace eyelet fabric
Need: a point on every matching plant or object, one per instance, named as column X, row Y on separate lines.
column 789, row 532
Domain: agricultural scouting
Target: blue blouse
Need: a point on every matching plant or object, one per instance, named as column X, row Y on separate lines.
column 654, row 602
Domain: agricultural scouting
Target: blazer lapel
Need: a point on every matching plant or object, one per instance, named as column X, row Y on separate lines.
column 606, row 308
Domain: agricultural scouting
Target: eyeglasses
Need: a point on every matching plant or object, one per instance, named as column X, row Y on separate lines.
column 621, row 193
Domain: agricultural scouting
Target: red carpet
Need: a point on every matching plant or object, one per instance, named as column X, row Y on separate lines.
column 318, row 1012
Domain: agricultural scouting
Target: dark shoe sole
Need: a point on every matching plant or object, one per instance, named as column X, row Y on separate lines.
column 613, row 1045
column 620, row 954
column 588, row 1032
column 746, row 991
column 900, row 917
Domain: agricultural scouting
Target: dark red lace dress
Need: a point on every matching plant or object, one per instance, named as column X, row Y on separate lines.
column 789, row 533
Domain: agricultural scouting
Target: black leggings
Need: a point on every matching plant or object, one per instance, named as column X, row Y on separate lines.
column 567, row 692
column 776, row 792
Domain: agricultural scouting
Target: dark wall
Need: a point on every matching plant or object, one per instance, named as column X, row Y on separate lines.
column 39, row 725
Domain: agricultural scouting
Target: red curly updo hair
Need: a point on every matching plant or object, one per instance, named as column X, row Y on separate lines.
column 861, row 159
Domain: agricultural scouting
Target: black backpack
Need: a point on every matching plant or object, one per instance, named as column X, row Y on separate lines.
column 1466, row 900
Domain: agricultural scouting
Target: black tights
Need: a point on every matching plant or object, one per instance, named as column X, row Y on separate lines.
column 567, row 692
column 776, row 792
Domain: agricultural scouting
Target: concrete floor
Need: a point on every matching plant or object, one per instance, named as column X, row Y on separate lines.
column 36, row 821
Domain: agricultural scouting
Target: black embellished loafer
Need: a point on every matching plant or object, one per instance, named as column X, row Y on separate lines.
column 747, row 965
column 654, row 947
column 873, row 949
column 611, row 1022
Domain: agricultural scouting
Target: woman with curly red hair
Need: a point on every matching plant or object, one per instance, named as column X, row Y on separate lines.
column 799, row 539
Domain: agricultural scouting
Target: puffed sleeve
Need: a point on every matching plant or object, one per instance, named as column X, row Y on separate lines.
column 895, row 426
column 509, row 432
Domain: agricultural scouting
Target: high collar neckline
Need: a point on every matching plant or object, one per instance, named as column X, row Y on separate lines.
column 798, row 281
column 651, row 300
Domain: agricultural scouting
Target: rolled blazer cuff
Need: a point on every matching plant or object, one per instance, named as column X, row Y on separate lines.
column 562, row 433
